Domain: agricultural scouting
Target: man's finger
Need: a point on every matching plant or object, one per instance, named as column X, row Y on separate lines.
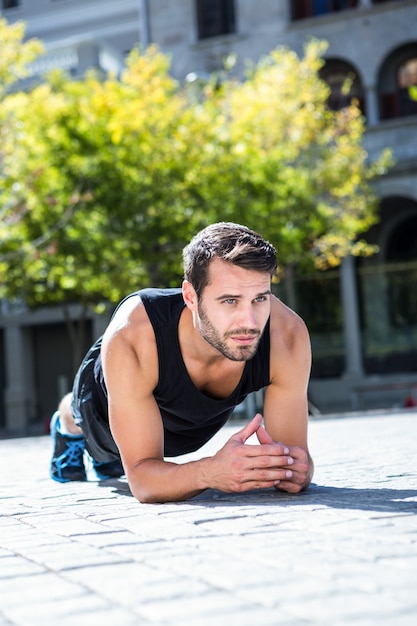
column 248, row 430
column 263, row 436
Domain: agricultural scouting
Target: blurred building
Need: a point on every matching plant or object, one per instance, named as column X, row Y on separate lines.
column 363, row 317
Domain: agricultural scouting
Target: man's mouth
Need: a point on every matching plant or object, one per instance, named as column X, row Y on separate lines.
column 244, row 338
column 243, row 341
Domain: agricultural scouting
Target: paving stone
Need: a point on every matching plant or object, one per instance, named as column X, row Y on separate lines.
column 343, row 552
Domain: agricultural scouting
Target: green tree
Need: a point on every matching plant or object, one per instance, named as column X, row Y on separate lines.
column 105, row 180
column 86, row 185
column 279, row 160
column 16, row 55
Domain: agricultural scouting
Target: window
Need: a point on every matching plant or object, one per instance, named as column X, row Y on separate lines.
column 215, row 17
column 318, row 303
column 312, row 8
column 345, row 85
column 388, row 298
column 396, row 78
column 406, row 78
column 10, row 4
column 402, row 253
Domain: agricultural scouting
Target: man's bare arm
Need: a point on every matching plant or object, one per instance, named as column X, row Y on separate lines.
column 286, row 403
column 235, row 468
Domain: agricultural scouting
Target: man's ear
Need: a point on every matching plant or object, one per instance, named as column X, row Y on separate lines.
column 190, row 296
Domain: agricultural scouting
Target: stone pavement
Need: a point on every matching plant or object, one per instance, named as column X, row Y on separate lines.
column 344, row 552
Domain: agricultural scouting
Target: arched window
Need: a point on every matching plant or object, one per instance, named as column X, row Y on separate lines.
column 313, row 8
column 402, row 244
column 10, row 4
column 397, row 75
column 388, row 296
column 401, row 255
column 406, row 78
column 345, row 85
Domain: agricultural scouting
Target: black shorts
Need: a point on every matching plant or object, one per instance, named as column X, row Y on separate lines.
column 87, row 412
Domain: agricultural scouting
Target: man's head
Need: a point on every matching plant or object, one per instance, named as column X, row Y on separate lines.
column 232, row 243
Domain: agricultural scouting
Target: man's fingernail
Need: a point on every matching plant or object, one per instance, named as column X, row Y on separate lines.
column 286, row 450
column 290, row 460
column 288, row 473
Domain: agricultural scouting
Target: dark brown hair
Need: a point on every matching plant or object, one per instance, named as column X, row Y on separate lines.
column 228, row 242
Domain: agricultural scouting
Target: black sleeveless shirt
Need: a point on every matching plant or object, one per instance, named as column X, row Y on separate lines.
column 190, row 418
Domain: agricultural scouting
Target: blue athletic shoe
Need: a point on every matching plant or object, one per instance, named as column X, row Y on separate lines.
column 111, row 469
column 68, row 456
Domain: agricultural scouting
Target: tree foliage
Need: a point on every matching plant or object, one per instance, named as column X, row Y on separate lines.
column 16, row 55
column 106, row 179
column 291, row 167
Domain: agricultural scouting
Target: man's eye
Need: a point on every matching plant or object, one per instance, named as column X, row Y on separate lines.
column 260, row 299
column 229, row 301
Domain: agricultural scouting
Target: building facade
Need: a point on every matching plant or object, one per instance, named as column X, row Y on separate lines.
column 362, row 317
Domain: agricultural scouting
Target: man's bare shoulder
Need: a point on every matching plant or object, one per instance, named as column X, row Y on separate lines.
column 129, row 350
column 288, row 329
column 130, row 324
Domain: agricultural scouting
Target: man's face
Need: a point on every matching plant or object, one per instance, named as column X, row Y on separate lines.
column 234, row 309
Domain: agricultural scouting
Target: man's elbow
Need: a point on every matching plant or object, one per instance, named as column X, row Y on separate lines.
column 144, row 494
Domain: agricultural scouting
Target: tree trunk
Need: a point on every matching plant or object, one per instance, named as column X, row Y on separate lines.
column 76, row 332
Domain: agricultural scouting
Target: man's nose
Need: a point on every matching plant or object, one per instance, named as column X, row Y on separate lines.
column 247, row 318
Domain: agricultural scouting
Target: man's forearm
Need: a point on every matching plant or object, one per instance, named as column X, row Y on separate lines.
column 235, row 468
column 155, row 480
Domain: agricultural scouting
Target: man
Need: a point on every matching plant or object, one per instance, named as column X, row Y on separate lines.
column 170, row 369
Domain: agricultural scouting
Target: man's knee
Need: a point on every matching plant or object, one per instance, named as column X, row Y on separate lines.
column 66, row 417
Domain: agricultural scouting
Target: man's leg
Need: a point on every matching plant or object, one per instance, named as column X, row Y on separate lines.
column 68, row 455
column 68, row 424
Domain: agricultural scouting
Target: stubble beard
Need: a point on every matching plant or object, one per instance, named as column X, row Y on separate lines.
column 238, row 353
